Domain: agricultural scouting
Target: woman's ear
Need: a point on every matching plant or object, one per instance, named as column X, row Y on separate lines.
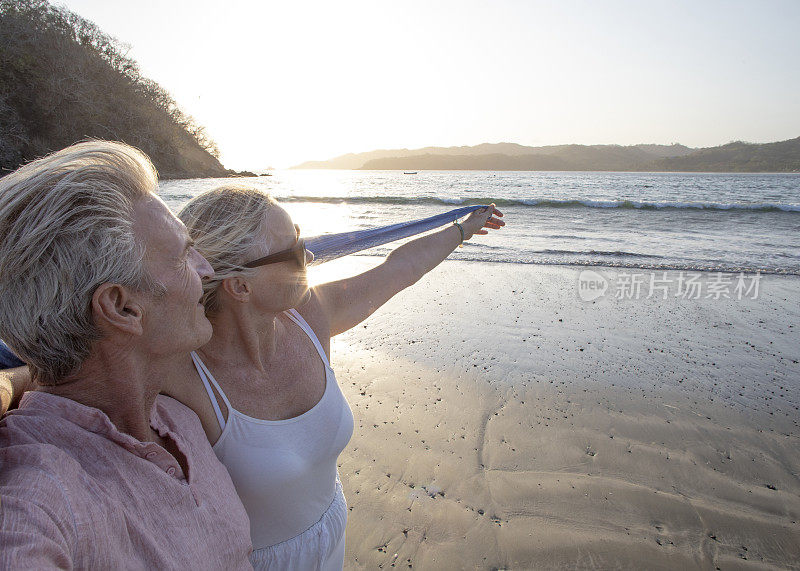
column 114, row 308
column 238, row 288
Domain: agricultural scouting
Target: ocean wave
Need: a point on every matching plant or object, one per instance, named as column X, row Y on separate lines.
column 622, row 265
column 617, row 260
column 616, row 253
column 546, row 203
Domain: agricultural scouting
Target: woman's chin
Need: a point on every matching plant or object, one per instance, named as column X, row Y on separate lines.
column 207, row 330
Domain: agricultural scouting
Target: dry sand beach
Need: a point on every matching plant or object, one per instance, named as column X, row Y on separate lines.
column 501, row 422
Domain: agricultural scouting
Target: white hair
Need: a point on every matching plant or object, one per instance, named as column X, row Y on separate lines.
column 227, row 225
column 66, row 227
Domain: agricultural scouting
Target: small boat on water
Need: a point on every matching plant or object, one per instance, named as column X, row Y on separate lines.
column 415, row 172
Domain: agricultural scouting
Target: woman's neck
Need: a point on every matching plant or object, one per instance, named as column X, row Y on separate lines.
column 241, row 338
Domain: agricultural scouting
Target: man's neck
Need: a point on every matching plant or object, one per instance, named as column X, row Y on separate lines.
column 122, row 385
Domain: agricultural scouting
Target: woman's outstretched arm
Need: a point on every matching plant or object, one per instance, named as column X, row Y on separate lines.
column 348, row 302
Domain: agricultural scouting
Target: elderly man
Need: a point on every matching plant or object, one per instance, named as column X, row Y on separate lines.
column 100, row 294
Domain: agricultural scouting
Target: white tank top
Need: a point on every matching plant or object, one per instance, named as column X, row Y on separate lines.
column 284, row 470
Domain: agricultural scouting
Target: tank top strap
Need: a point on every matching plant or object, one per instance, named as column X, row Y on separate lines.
column 208, row 380
column 298, row 319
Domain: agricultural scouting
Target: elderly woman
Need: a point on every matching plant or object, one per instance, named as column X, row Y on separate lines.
column 271, row 405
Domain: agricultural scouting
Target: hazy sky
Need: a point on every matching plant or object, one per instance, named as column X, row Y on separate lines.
column 277, row 83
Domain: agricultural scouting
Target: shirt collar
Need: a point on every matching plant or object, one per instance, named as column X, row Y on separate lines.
column 89, row 418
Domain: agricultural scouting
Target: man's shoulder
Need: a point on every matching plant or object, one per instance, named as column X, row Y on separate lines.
column 34, row 482
column 32, row 463
column 39, row 525
column 30, row 440
column 35, row 474
column 38, row 458
column 25, row 454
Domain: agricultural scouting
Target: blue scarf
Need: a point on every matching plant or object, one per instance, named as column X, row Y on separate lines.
column 328, row 247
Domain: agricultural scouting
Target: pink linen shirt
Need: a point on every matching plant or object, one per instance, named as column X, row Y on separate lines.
column 77, row 493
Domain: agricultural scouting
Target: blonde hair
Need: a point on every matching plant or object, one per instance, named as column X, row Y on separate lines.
column 227, row 226
column 66, row 227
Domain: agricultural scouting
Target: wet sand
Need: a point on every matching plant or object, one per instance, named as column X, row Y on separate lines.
column 501, row 422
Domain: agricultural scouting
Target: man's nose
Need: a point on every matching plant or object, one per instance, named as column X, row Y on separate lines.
column 201, row 266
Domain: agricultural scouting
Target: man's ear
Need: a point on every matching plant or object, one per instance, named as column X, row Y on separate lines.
column 114, row 308
column 237, row 287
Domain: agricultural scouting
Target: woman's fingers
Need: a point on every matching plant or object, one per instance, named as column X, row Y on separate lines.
column 494, row 223
column 491, row 219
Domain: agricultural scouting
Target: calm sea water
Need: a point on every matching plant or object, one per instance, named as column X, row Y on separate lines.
column 720, row 222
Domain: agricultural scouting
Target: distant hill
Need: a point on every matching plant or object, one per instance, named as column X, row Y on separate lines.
column 783, row 156
column 565, row 153
column 63, row 80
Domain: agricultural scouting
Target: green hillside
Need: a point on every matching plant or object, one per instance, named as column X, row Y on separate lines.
column 63, row 80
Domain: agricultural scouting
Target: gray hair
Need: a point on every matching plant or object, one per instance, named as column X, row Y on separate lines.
column 227, row 226
column 66, row 227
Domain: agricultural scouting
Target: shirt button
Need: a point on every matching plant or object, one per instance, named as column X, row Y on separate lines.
column 151, row 454
column 171, row 470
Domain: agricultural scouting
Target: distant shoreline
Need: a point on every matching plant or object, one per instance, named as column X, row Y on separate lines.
column 797, row 172
column 794, row 172
column 780, row 156
column 233, row 174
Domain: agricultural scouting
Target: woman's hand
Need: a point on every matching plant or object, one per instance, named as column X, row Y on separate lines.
column 488, row 217
column 13, row 382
